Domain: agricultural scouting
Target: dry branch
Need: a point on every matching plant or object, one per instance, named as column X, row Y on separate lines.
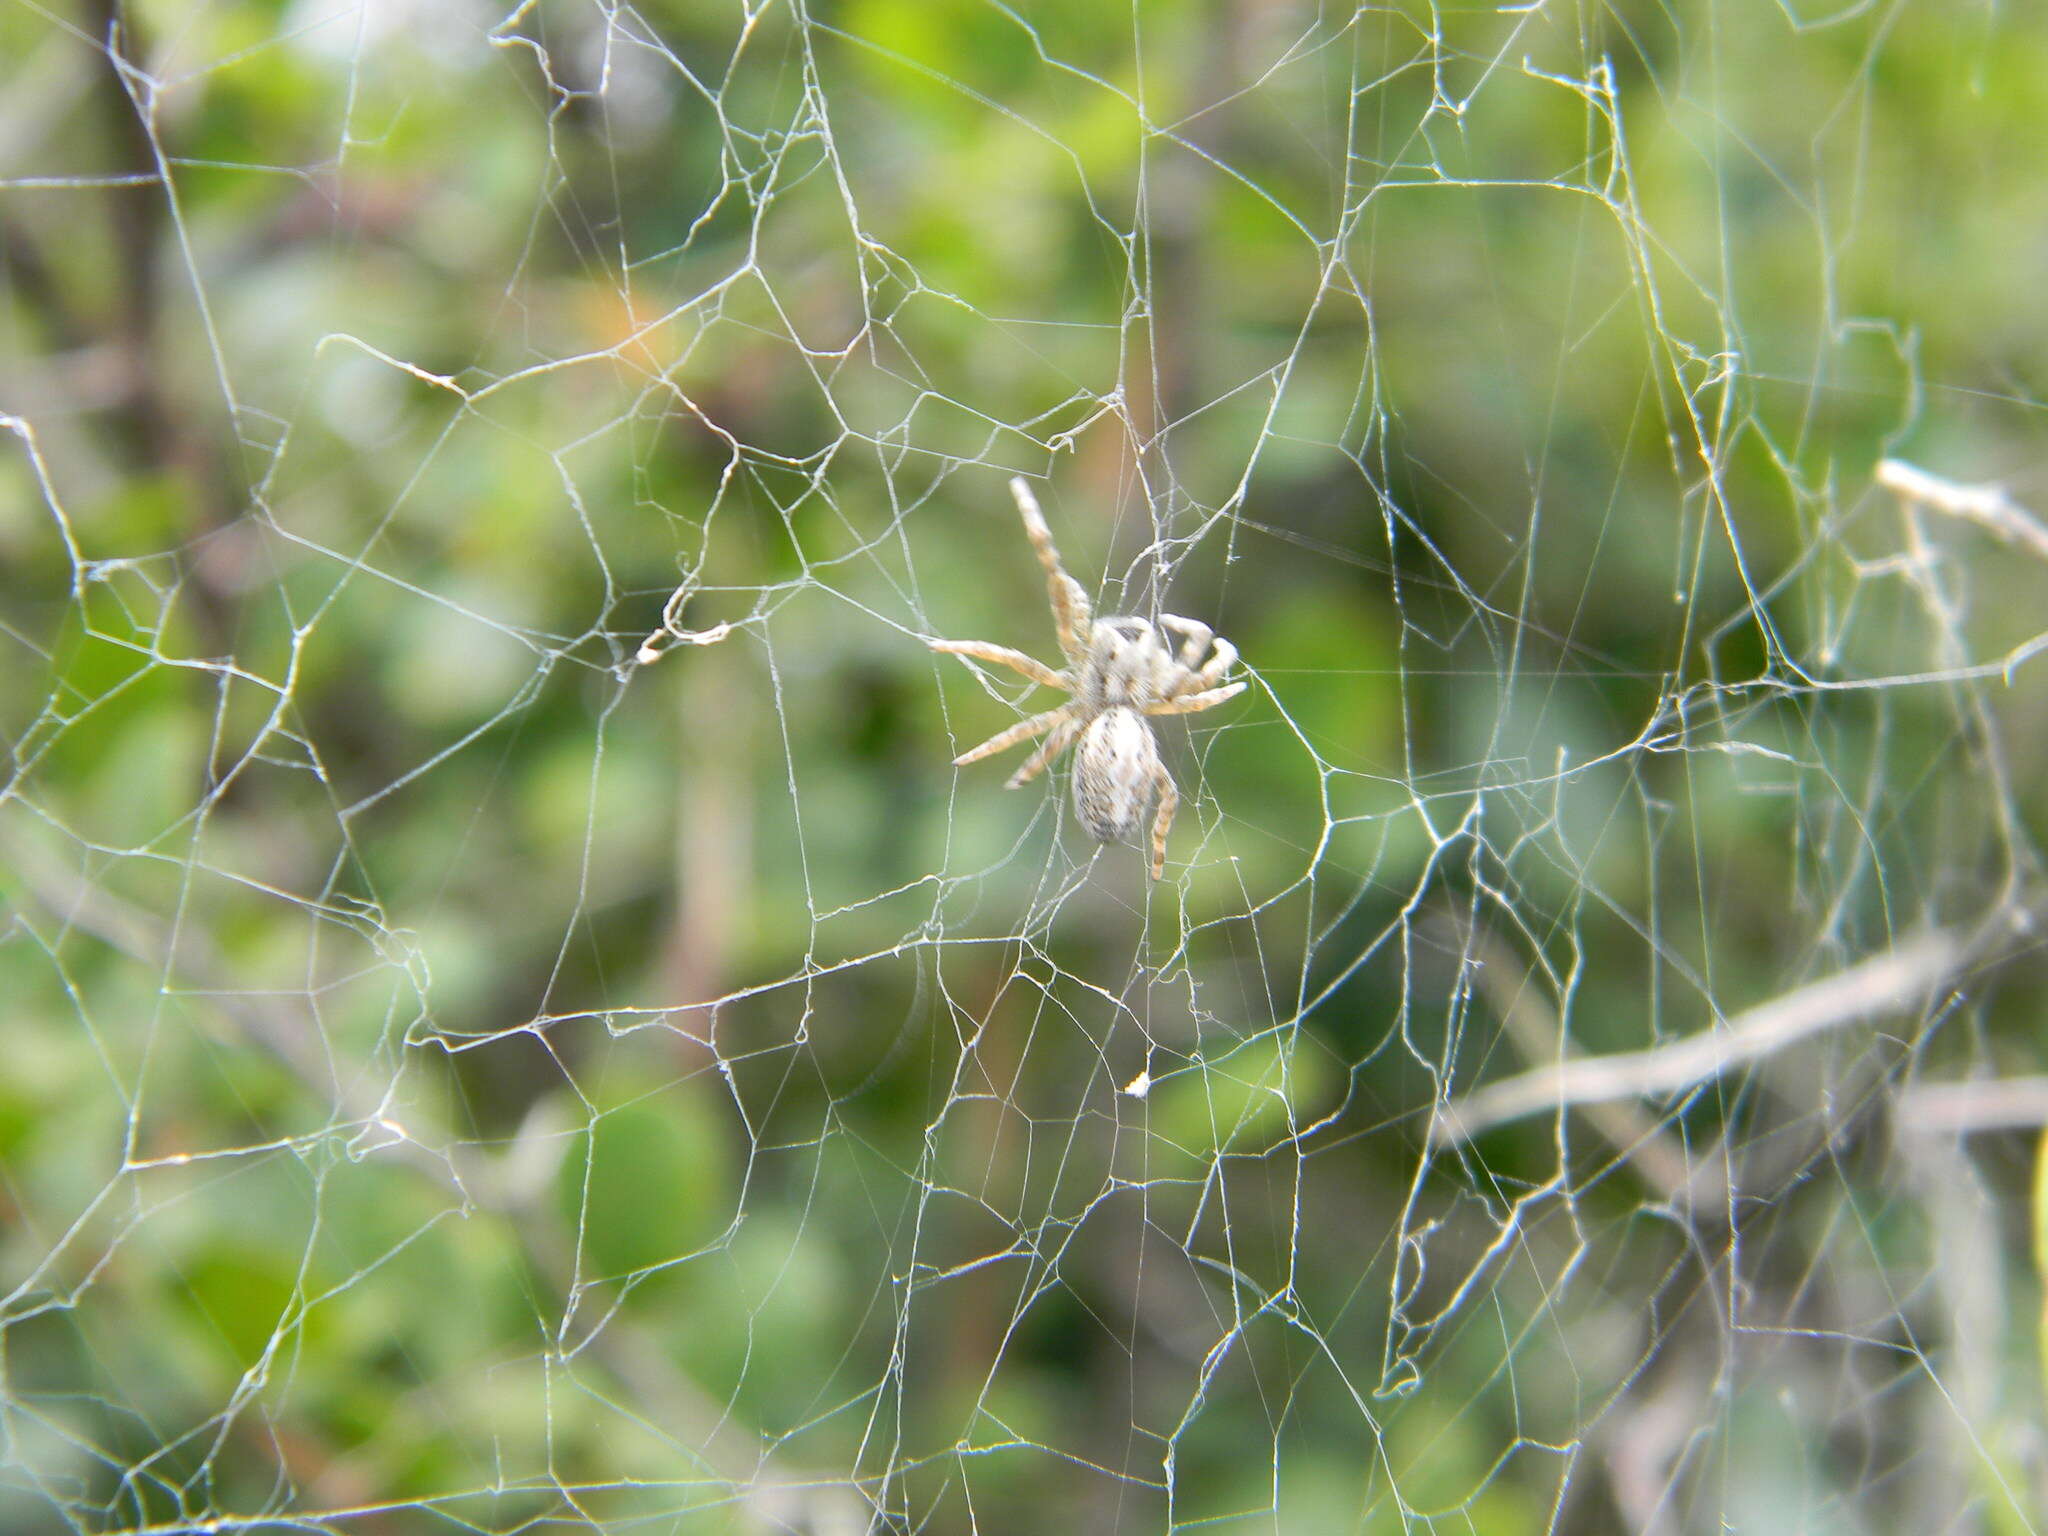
column 1902, row 978
column 1989, row 1104
column 1987, row 506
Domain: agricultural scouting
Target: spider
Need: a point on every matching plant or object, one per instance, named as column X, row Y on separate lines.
column 1119, row 670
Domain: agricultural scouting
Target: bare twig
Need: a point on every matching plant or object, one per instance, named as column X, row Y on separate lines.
column 1987, row 506
column 1512, row 992
column 1898, row 979
column 1994, row 1104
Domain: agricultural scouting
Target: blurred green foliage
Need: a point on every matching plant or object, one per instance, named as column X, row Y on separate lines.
column 458, row 1075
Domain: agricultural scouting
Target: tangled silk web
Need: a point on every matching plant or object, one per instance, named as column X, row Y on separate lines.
column 511, row 1020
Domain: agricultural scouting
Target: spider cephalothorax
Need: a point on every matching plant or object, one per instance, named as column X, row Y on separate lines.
column 1119, row 670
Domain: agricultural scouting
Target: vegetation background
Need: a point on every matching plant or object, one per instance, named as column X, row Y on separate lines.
column 458, row 1075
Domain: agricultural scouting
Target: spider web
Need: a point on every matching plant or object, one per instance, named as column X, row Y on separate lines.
column 513, row 1024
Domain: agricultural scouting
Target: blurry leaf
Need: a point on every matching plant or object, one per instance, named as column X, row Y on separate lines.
column 1238, row 1100
column 242, row 1293
column 649, row 1184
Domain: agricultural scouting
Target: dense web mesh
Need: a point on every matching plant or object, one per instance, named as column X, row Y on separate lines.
column 512, row 1023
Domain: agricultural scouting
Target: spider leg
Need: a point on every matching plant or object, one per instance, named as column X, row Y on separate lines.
column 1016, row 661
column 1071, row 613
column 1199, row 638
column 1196, row 634
column 1218, row 666
column 1190, row 703
column 1023, row 730
column 1055, row 744
column 1169, row 802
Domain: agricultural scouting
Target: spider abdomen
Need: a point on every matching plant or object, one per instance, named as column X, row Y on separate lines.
column 1114, row 769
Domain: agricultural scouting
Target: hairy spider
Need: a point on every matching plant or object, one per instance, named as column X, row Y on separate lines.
column 1119, row 670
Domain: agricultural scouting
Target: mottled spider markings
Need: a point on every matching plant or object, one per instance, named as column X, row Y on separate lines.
column 1118, row 670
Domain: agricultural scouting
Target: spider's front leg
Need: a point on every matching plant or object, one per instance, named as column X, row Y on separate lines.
column 1016, row 661
column 1071, row 612
column 1219, row 664
column 1197, row 638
